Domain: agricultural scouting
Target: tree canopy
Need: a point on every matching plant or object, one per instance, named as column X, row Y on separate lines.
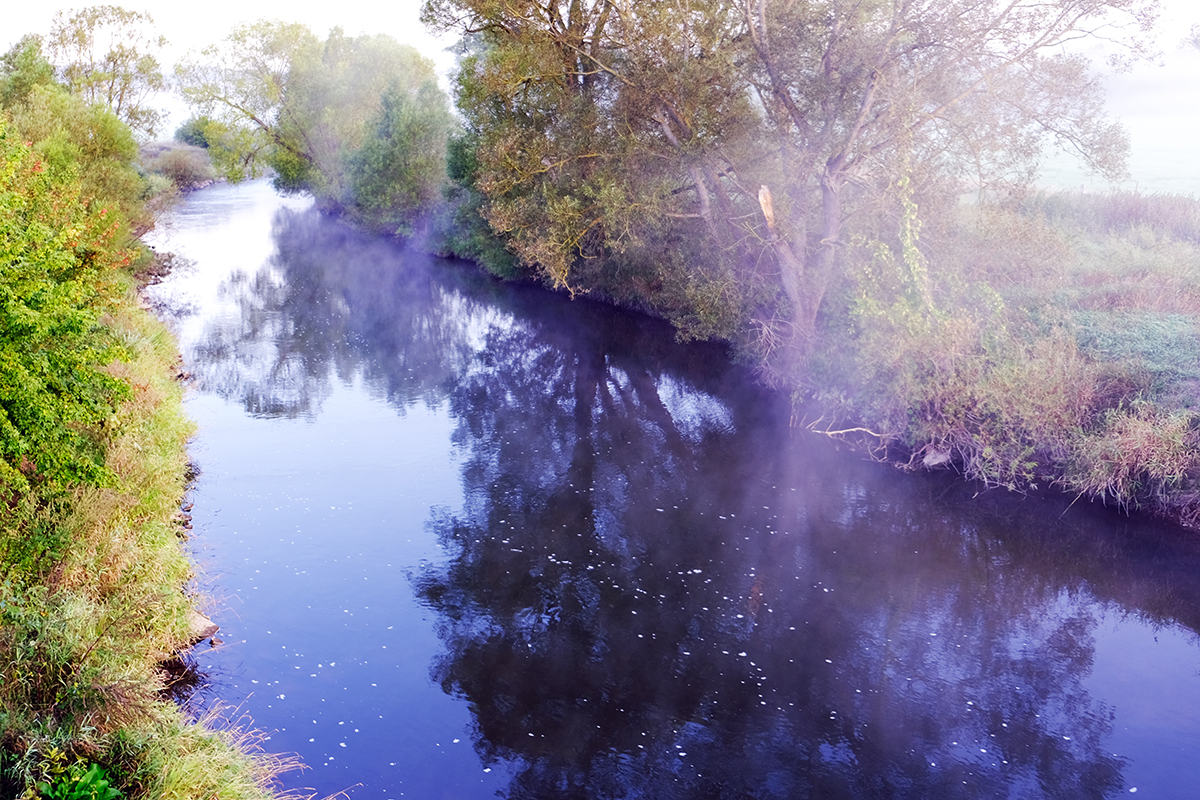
column 357, row 121
column 717, row 150
column 107, row 54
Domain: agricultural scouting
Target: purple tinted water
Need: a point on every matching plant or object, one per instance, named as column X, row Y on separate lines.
column 467, row 539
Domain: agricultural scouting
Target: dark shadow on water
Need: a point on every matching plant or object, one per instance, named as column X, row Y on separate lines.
column 657, row 589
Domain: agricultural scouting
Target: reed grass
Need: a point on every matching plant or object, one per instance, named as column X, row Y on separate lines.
column 1173, row 215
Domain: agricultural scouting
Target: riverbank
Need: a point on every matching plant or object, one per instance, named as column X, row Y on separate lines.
column 94, row 600
column 86, row 630
column 1045, row 343
column 93, row 468
column 1051, row 345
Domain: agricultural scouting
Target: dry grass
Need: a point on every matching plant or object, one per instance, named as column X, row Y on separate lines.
column 184, row 165
column 1061, row 345
column 1142, row 455
column 215, row 758
column 1175, row 216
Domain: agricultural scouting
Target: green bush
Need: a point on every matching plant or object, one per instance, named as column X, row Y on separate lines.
column 396, row 175
column 57, row 278
column 88, row 144
column 193, row 132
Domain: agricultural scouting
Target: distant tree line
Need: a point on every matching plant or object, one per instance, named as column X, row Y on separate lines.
column 358, row 122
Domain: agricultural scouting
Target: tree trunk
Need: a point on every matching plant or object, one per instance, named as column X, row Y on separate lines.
column 804, row 277
column 824, row 256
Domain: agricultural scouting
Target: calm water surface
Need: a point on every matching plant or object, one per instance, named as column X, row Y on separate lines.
column 469, row 540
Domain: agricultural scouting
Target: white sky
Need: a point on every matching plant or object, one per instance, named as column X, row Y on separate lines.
column 1159, row 104
column 190, row 26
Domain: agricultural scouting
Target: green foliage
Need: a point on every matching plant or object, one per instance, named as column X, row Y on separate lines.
column 21, row 69
column 81, row 784
column 92, row 468
column 754, row 139
column 293, row 174
column 86, row 142
column 1143, row 456
column 395, row 176
column 56, row 280
column 192, row 132
column 242, row 87
column 1039, row 359
column 463, row 231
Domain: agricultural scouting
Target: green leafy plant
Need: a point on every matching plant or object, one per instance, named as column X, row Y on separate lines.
column 80, row 784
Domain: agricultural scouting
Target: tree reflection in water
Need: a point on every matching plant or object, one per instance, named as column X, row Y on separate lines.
column 656, row 589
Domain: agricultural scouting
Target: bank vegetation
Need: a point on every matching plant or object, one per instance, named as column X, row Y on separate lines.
column 94, row 578
column 844, row 191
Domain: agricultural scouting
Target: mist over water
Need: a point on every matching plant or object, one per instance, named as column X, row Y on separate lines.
column 470, row 539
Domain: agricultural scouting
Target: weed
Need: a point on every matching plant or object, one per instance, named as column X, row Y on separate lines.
column 78, row 783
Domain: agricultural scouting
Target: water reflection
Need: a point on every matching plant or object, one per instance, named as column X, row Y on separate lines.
column 717, row 613
column 655, row 589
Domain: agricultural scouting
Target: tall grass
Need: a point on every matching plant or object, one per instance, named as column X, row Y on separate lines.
column 1059, row 345
column 93, row 597
column 1173, row 215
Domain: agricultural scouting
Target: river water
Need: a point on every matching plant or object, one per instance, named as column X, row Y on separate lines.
column 466, row 539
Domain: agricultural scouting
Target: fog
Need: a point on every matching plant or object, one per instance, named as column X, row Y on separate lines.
column 1158, row 105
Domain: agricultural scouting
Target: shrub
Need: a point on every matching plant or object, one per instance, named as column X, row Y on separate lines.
column 58, row 272
column 185, row 165
column 1143, row 456
column 78, row 783
column 193, row 132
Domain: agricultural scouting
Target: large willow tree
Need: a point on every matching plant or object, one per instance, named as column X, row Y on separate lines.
column 718, row 149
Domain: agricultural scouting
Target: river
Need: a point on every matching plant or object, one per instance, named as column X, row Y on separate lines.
column 466, row 539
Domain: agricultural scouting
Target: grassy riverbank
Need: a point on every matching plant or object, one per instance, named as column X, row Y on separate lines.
column 1054, row 344
column 94, row 599
column 93, row 466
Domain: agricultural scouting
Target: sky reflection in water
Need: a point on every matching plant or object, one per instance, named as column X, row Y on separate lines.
column 471, row 538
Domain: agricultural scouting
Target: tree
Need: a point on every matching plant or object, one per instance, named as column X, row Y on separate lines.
column 396, row 173
column 192, row 132
column 21, row 69
column 752, row 132
column 106, row 54
column 357, row 121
